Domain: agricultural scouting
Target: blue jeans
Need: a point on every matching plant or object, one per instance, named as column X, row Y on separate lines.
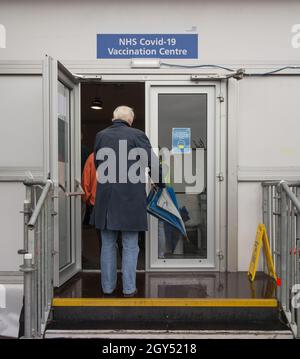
column 109, row 260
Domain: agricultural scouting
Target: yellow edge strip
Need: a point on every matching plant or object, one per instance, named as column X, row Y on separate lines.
column 163, row 302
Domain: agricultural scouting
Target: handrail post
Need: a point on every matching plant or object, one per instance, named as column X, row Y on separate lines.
column 27, row 268
column 26, row 215
column 265, row 213
column 283, row 250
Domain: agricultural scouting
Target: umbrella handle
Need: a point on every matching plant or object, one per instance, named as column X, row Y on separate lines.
column 154, row 186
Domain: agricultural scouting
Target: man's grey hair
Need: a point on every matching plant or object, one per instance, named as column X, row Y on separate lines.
column 124, row 113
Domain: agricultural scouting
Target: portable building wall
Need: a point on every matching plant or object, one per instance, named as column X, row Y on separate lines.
column 21, row 155
column 255, row 35
column 268, row 121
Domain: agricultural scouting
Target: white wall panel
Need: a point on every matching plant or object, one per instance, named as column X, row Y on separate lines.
column 229, row 31
column 9, row 316
column 268, row 147
column 11, row 223
column 21, row 121
column 268, row 123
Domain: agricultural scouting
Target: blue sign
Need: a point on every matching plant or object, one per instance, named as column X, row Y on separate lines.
column 181, row 140
column 128, row 46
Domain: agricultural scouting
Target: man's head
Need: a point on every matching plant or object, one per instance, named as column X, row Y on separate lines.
column 124, row 113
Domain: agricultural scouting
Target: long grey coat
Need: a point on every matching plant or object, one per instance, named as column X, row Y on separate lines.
column 121, row 206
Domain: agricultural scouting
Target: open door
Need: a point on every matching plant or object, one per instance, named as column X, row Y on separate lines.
column 65, row 169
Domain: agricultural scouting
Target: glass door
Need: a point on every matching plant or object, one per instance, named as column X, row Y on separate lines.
column 182, row 130
column 65, row 169
column 64, row 176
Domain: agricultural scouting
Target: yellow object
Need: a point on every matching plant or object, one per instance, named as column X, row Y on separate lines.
column 164, row 302
column 261, row 239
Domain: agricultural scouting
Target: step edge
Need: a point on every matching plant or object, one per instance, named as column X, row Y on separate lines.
column 164, row 302
column 180, row 334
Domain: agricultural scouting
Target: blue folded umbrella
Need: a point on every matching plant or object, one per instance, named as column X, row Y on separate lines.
column 162, row 204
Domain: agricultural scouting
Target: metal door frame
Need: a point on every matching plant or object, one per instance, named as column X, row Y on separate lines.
column 184, row 79
column 57, row 72
column 217, row 103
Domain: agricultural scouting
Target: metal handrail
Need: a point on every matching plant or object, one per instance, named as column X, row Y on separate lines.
column 290, row 194
column 281, row 215
column 39, row 205
column 290, row 183
column 37, row 265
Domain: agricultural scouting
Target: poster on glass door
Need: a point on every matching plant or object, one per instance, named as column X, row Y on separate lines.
column 181, row 140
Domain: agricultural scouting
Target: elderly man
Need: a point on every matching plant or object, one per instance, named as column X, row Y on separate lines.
column 121, row 200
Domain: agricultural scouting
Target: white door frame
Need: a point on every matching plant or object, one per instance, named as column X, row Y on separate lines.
column 219, row 86
column 216, row 99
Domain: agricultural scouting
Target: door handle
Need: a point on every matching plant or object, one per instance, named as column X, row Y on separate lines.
column 78, row 183
column 73, row 194
column 76, row 193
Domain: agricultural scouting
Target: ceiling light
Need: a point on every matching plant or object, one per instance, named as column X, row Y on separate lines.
column 97, row 104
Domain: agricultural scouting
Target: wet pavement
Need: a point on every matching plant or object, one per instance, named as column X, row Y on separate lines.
column 175, row 285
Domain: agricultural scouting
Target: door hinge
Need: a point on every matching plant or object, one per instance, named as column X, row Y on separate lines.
column 220, row 176
column 221, row 98
column 220, row 254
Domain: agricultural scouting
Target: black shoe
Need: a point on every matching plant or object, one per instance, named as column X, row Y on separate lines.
column 109, row 295
column 131, row 294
